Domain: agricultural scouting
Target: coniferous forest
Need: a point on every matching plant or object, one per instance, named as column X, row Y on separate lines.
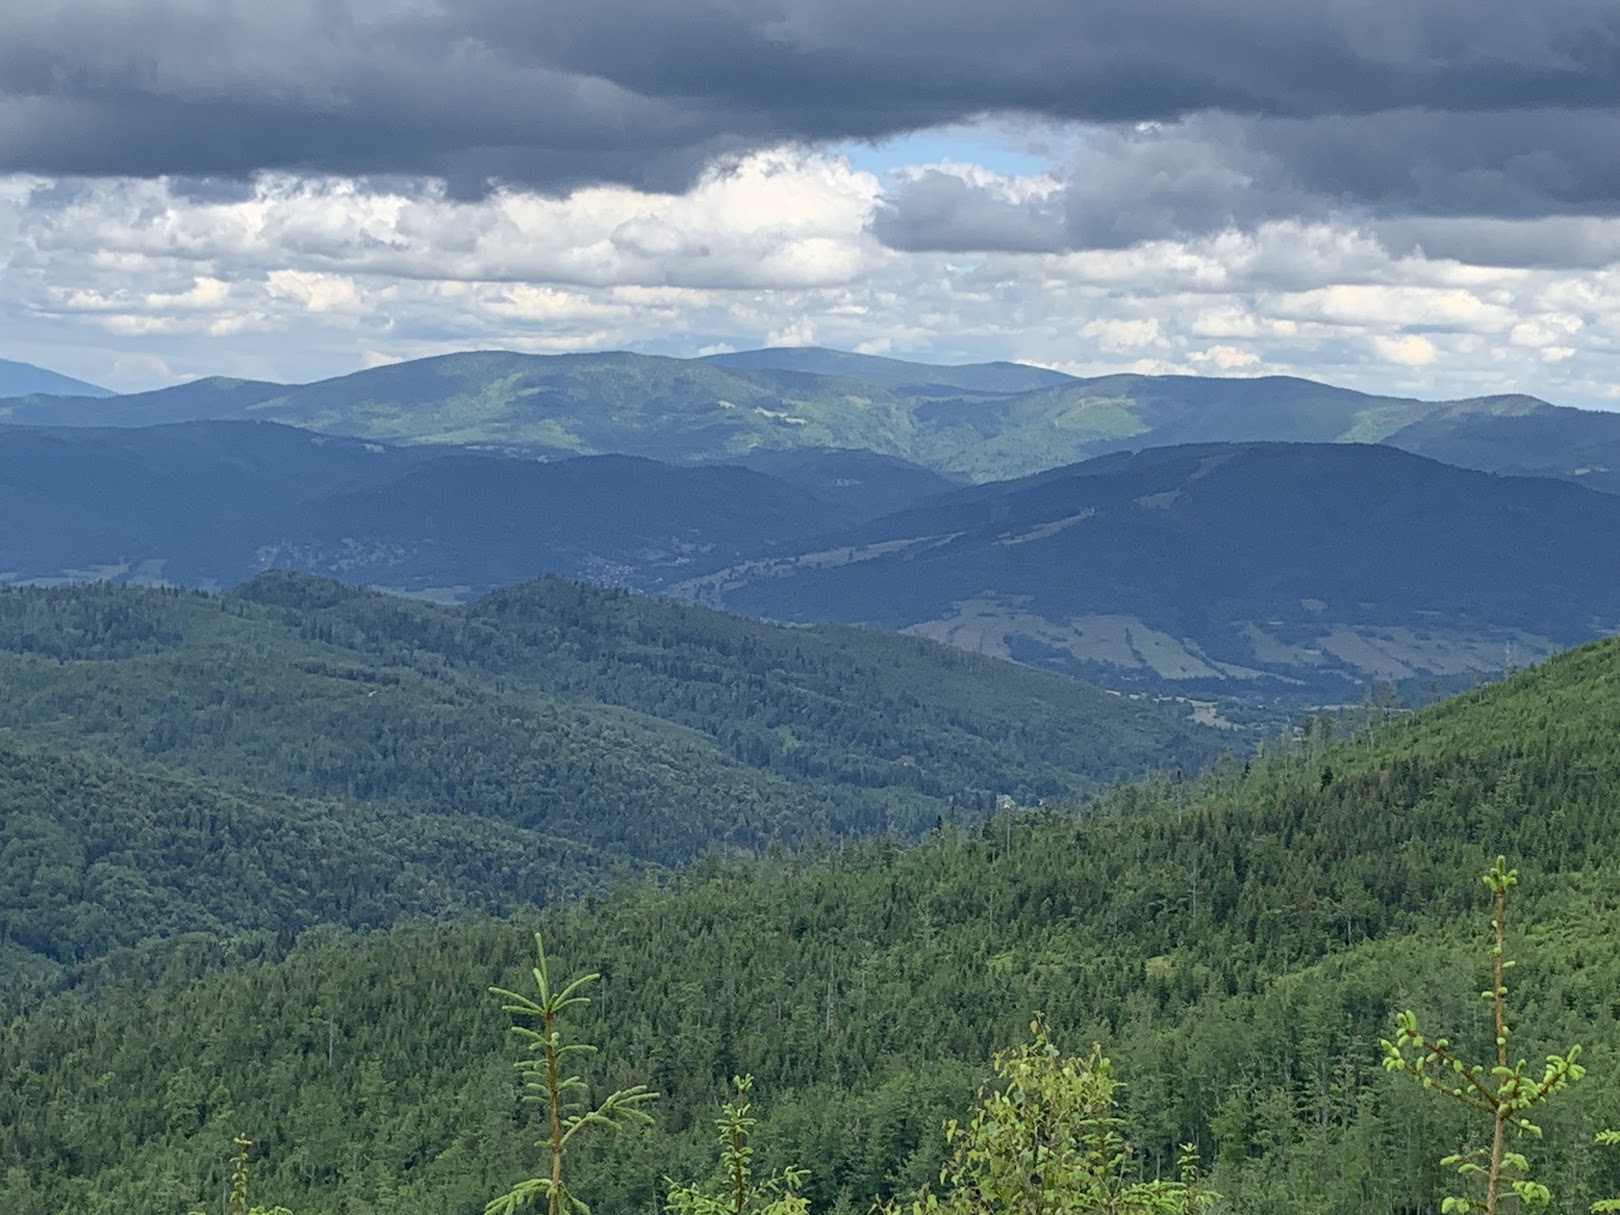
column 299, row 752
column 218, row 922
column 809, row 607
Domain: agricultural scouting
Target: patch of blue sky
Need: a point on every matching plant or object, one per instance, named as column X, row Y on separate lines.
column 1006, row 152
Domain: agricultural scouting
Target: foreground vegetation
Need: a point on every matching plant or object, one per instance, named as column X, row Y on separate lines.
column 1237, row 945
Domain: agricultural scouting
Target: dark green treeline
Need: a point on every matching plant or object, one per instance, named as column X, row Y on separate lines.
column 301, row 752
column 1238, row 943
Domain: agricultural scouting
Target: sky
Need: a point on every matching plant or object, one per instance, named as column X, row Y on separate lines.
column 1409, row 196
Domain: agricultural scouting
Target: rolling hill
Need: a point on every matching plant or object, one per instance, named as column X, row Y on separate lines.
column 212, row 503
column 862, row 482
column 670, row 409
column 211, row 399
column 1524, row 437
column 463, row 524
column 1236, row 564
column 1251, row 570
column 180, row 502
column 300, row 751
column 980, row 423
column 220, row 685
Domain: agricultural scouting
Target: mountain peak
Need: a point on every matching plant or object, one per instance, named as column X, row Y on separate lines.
column 25, row 379
column 999, row 377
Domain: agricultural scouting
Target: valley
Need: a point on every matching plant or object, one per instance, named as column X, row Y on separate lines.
column 839, row 760
column 777, row 607
column 1185, row 560
column 801, row 608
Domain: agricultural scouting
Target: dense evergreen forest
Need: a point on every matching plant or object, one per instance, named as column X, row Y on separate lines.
column 326, row 684
column 1238, row 942
column 300, row 752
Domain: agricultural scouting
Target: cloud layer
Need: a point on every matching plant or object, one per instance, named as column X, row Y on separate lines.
column 1401, row 171
column 553, row 94
column 1405, row 195
column 140, row 281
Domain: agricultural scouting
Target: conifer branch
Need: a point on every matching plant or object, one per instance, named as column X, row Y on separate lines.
column 1504, row 1093
column 565, row 1114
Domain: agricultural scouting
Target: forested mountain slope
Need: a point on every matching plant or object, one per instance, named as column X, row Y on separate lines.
column 1242, row 564
column 1205, row 568
column 210, row 399
column 466, row 524
column 1522, row 437
column 848, row 706
column 367, row 757
column 863, row 482
column 1239, row 943
column 212, row 503
column 97, row 858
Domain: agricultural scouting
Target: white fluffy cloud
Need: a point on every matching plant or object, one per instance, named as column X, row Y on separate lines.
column 135, row 282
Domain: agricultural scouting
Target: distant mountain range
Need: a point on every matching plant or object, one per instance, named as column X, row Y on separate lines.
column 1238, row 566
column 23, row 379
column 981, row 423
column 212, row 503
column 1267, row 534
column 1211, row 564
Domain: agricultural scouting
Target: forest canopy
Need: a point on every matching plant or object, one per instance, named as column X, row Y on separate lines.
column 1237, row 944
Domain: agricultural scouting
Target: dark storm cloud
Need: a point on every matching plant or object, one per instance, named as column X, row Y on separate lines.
column 942, row 211
column 220, row 88
column 1389, row 171
column 1124, row 186
column 553, row 94
column 1560, row 243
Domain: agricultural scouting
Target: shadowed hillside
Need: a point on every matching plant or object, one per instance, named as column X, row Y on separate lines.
column 1235, row 565
column 212, row 503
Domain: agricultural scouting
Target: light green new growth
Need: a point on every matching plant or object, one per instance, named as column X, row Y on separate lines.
column 1504, row 1093
column 1605, row 1205
column 1045, row 1141
column 567, row 1111
column 738, row 1193
column 237, row 1202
